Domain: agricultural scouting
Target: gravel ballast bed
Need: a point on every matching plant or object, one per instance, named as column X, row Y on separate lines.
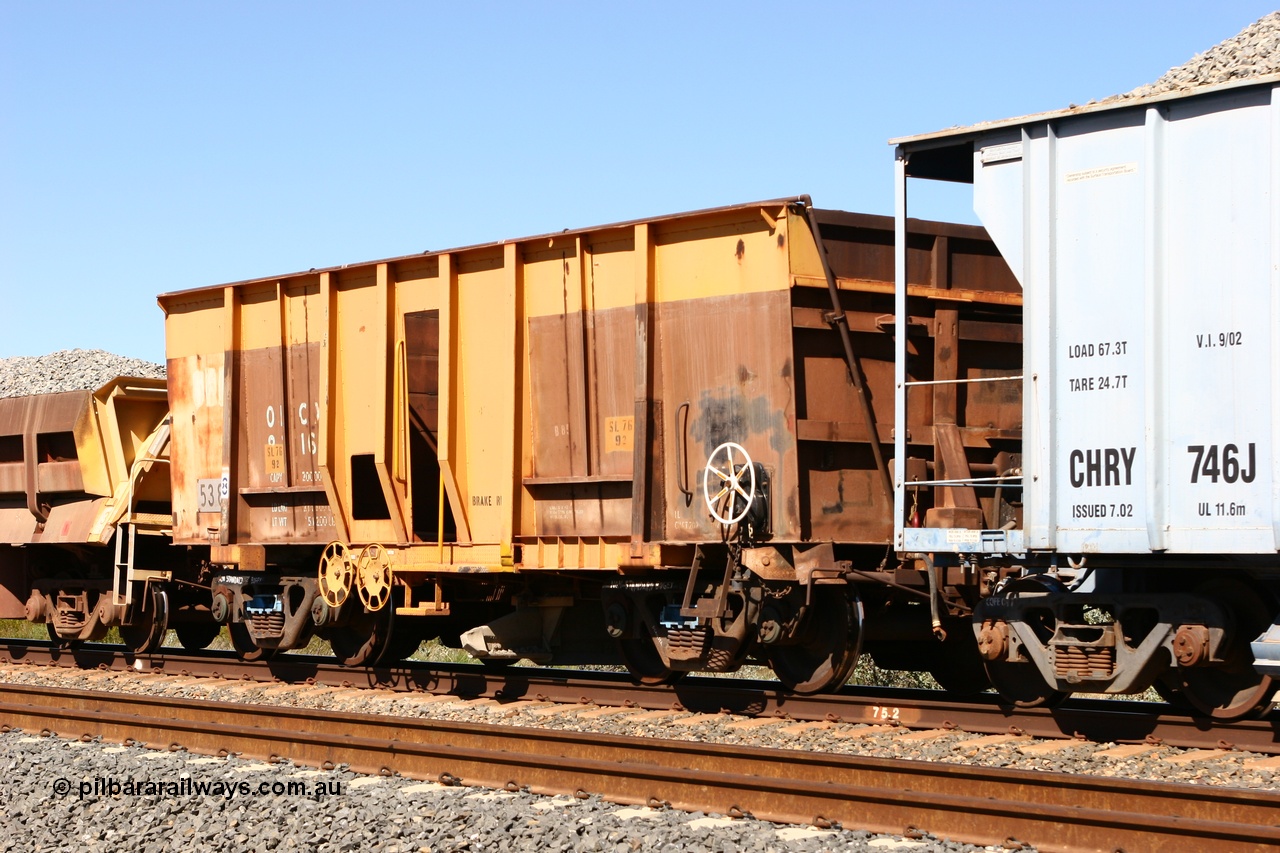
column 69, row 370
column 1228, row 768
column 59, row 795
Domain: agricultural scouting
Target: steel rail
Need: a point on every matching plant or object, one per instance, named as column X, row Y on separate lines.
column 974, row 804
column 1097, row 720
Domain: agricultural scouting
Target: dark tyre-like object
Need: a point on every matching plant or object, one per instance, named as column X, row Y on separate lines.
column 827, row 652
column 957, row 666
column 1233, row 690
column 248, row 650
column 365, row 641
column 195, row 636
column 150, row 622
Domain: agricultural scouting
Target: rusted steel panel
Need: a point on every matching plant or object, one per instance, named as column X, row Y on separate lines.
column 71, row 522
column 420, row 364
column 277, row 478
column 975, row 335
column 61, row 476
column 273, row 488
column 940, row 254
column 40, row 470
column 196, row 398
column 15, row 579
column 559, row 427
column 612, row 384
column 569, row 431
column 17, row 525
column 731, row 359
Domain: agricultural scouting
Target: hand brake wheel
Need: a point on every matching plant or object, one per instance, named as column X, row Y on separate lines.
column 729, row 474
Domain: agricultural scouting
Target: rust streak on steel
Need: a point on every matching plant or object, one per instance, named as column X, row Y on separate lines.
column 840, row 321
column 974, row 804
column 1098, row 720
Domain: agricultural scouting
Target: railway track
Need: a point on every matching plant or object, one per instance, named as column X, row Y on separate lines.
column 977, row 805
column 1094, row 720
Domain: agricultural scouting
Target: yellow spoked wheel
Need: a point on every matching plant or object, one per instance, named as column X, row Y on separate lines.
column 336, row 574
column 373, row 577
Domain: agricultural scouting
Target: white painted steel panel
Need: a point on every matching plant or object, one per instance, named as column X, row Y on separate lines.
column 996, row 198
column 1148, row 261
column 1219, row 332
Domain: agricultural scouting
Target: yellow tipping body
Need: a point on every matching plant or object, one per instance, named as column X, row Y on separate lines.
column 75, row 463
column 535, row 392
column 561, row 393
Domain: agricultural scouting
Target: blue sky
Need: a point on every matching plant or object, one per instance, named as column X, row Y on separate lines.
column 150, row 147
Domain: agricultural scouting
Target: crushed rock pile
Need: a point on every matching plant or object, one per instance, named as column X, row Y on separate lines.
column 69, row 370
column 1253, row 52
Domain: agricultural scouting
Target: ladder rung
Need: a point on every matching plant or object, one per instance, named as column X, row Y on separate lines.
column 150, row 519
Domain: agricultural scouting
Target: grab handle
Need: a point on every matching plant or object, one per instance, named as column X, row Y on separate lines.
column 682, row 454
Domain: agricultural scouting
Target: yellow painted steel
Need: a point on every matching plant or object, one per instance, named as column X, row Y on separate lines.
column 112, row 431
column 486, row 297
column 122, row 446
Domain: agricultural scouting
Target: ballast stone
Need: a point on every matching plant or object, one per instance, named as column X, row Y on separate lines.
column 69, row 370
column 1253, row 52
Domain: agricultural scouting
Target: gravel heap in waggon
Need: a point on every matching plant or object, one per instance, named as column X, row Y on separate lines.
column 1254, row 52
column 69, row 370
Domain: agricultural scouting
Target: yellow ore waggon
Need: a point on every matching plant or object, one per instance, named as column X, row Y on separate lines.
column 663, row 442
column 84, row 517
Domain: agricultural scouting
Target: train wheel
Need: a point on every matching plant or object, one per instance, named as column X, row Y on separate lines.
column 1020, row 682
column 242, row 641
column 150, row 623
column 194, row 636
column 1233, row 690
column 363, row 642
column 644, row 663
column 828, row 651
column 1022, row 685
column 1169, row 689
column 404, row 644
column 957, row 666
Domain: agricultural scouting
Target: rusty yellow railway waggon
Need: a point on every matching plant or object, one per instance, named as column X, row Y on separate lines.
column 85, row 515
column 673, row 432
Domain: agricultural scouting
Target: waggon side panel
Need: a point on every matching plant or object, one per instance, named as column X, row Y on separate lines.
column 709, row 276
column 1147, row 248
column 580, row 304
column 280, row 493
column 723, row 346
column 1098, row 391
column 1219, row 334
column 543, row 371
column 964, row 322
column 196, row 367
column 484, row 397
